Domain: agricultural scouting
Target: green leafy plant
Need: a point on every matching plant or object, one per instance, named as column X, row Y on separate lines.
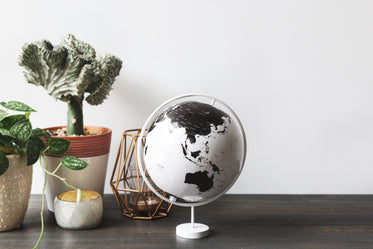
column 67, row 72
column 17, row 136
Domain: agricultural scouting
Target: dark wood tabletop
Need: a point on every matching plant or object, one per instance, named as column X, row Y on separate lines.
column 236, row 221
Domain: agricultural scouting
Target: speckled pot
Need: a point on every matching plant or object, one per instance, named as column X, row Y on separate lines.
column 15, row 189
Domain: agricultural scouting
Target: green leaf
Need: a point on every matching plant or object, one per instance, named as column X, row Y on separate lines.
column 34, row 147
column 22, row 130
column 5, row 132
column 40, row 133
column 17, row 106
column 9, row 121
column 73, row 163
column 3, row 114
column 12, row 143
column 4, row 163
column 58, row 146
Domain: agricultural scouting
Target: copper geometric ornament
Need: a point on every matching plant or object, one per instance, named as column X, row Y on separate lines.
column 133, row 196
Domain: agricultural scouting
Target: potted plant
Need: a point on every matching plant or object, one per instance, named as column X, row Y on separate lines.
column 68, row 72
column 20, row 147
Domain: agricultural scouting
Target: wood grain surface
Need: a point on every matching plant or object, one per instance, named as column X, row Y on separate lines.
column 236, row 221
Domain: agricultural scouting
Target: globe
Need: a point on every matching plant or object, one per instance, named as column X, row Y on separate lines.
column 193, row 148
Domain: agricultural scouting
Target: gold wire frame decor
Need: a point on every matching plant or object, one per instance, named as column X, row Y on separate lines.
column 133, row 196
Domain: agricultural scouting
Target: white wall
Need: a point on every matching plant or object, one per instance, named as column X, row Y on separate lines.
column 298, row 73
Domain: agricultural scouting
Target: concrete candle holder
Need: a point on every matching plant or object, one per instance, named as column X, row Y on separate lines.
column 83, row 215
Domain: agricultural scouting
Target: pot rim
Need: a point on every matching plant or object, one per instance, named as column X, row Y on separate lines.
column 103, row 129
column 74, row 202
column 86, row 146
column 14, row 155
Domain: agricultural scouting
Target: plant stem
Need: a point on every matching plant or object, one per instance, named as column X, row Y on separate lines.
column 75, row 116
column 42, row 204
column 58, row 177
column 59, row 166
column 46, row 173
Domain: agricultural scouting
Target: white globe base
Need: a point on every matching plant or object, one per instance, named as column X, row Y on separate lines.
column 192, row 230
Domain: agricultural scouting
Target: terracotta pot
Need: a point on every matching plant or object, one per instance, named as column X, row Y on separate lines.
column 15, row 189
column 94, row 149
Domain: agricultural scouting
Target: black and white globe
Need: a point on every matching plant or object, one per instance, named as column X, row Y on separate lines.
column 193, row 148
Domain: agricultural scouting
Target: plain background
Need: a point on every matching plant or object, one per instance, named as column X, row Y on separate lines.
column 298, row 74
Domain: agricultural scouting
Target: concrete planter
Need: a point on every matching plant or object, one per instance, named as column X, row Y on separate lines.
column 86, row 214
column 94, row 150
column 15, row 189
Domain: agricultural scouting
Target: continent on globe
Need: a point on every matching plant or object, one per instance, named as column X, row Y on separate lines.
column 201, row 179
column 196, row 117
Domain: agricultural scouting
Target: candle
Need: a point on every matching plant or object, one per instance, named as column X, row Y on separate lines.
column 147, row 204
column 83, row 215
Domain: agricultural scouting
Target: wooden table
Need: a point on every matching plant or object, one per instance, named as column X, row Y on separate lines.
column 236, row 221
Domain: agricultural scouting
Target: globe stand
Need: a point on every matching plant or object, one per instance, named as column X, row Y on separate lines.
column 189, row 111
column 192, row 230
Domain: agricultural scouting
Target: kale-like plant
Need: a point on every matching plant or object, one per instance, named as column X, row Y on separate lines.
column 17, row 136
column 67, row 72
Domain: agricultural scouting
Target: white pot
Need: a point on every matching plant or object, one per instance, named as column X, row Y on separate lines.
column 82, row 215
column 94, row 150
column 15, row 189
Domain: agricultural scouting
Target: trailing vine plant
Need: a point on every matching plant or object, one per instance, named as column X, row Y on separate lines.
column 17, row 136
